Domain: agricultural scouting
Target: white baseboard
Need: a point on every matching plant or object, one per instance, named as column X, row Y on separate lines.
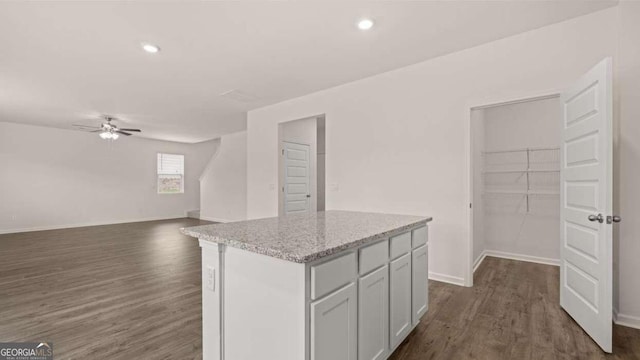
column 218, row 220
column 194, row 214
column 514, row 256
column 455, row 280
column 93, row 223
column 626, row 320
column 479, row 260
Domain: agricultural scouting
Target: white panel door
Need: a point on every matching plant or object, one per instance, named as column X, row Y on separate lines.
column 296, row 190
column 586, row 201
column 334, row 325
column 419, row 283
column 400, row 299
column 373, row 315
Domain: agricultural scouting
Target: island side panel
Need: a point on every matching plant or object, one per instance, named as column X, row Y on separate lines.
column 212, row 312
column 264, row 307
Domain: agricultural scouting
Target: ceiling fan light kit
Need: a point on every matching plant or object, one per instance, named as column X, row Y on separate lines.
column 108, row 131
column 107, row 135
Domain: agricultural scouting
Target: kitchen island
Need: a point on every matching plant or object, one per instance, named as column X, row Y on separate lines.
column 321, row 286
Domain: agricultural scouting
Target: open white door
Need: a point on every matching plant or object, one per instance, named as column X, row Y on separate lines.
column 586, row 203
column 296, row 189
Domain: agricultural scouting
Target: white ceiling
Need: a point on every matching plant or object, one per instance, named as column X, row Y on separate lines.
column 67, row 62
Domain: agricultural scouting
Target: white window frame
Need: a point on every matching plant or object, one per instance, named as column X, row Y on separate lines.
column 159, row 174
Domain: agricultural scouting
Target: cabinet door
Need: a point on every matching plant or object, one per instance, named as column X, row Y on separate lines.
column 334, row 325
column 400, row 297
column 373, row 315
column 420, row 293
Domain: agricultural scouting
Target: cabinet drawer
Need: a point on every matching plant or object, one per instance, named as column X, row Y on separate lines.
column 332, row 274
column 400, row 244
column 373, row 256
column 419, row 237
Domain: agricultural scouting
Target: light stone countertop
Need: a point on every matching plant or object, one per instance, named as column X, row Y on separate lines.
column 304, row 238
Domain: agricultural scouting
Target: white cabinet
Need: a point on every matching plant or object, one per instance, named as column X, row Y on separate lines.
column 334, row 322
column 400, row 244
column 373, row 315
column 400, row 299
column 373, row 256
column 357, row 304
column 420, row 291
column 333, row 274
column 419, row 237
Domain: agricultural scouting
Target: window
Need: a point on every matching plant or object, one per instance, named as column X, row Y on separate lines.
column 170, row 174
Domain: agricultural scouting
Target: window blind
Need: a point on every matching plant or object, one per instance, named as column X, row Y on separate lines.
column 170, row 164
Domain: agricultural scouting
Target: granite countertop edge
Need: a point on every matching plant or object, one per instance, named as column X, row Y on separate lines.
column 300, row 258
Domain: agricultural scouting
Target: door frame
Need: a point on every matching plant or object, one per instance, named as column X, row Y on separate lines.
column 479, row 104
column 319, row 171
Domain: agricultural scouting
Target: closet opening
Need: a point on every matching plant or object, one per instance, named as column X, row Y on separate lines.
column 515, row 181
column 301, row 165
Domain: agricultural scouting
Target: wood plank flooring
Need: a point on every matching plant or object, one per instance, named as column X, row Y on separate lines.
column 132, row 291
column 127, row 291
column 511, row 312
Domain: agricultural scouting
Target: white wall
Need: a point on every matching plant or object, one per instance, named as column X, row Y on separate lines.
column 627, row 176
column 398, row 142
column 53, row 178
column 223, row 183
column 509, row 227
column 303, row 131
column 528, row 124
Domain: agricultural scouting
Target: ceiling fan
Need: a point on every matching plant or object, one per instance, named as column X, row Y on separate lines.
column 107, row 130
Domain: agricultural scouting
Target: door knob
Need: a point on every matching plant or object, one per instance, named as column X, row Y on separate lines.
column 308, row 195
column 613, row 219
column 599, row 218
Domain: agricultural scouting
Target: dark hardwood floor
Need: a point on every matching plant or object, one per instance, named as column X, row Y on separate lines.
column 511, row 312
column 132, row 291
column 127, row 291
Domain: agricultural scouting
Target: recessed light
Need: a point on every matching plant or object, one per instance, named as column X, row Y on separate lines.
column 365, row 24
column 150, row 48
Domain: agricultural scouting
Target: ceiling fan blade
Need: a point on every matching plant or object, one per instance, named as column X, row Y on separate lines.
column 135, row 130
column 123, row 133
column 85, row 127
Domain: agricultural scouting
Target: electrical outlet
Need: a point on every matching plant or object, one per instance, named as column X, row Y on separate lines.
column 211, row 278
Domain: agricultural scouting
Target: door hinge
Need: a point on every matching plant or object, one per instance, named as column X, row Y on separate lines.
column 470, row 206
column 282, row 151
